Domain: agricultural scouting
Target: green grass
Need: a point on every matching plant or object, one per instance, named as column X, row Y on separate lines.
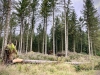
column 42, row 69
column 60, row 68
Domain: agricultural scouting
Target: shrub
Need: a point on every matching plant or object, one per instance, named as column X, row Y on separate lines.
column 97, row 67
column 83, row 67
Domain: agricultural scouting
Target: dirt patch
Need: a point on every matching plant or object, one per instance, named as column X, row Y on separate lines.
column 97, row 72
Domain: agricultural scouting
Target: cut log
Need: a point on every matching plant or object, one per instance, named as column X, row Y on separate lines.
column 77, row 63
column 18, row 60
column 38, row 61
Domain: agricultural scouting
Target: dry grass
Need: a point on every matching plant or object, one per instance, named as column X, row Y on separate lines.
column 60, row 68
column 42, row 69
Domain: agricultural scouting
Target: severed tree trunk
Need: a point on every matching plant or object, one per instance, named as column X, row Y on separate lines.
column 6, row 31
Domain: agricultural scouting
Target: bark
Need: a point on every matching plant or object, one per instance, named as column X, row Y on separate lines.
column 56, row 46
column 38, row 44
column 10, row 35
column 18, row 60
column 43, row 37
column 32, row 32
column 81, row 42
column 38, row 61
column 66, row 27
column 91, row 48
column 23, row 45
column 74, row 45
column 43, row 44
column 21, row 34
column 53, row 34
column 6, row 31
column 31, row 39
column 3, row 27
column 89, row 42
column 62, row 42
column 27, row 39
column 46, row 37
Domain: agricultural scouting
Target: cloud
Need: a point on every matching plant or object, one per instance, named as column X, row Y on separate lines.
column 97, row 5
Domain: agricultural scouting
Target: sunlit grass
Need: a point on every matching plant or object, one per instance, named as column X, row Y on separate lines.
column 43, row 69
column 60, row 68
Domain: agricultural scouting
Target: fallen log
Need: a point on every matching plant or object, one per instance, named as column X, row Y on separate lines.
column 18, row 60
column 38, row 61
column 77, row 63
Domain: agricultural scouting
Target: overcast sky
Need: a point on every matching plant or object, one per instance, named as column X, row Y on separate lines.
column 78, row 6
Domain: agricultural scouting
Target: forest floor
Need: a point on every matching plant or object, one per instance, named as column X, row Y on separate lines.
column 64, row 66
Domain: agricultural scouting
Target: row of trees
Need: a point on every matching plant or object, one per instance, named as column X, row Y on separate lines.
column 68, row 33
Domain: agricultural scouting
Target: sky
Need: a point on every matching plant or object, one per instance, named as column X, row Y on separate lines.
column 78, row 6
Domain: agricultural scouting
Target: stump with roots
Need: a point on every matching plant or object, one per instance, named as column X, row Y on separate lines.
column 5, row 58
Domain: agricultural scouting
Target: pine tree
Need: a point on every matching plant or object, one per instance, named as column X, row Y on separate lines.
column 91, row 20
column 66, row 12
column 33, row 7
column 22, row 8
column 73, row 29
column 46, row 8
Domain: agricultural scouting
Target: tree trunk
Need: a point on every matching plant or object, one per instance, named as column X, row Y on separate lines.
column 32, row 32
column 21, row 34
column 38, row 43
column 10, row 35
column 43, row 44
column 43, row 37
column 81, row 42
column 53, row 34
column 74, row 45
column 56, row 46
column 6, row 31
column 62, row 42
column 27, row 39
column 31, row 39
column 66, row 28
column 89, row 42
column 46, row 37
column 91, row 48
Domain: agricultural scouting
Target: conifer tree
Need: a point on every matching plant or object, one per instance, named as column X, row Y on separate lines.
column 91, row 21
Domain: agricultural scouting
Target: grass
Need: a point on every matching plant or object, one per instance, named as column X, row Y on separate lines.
column 42, row 69
column 59, row 68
